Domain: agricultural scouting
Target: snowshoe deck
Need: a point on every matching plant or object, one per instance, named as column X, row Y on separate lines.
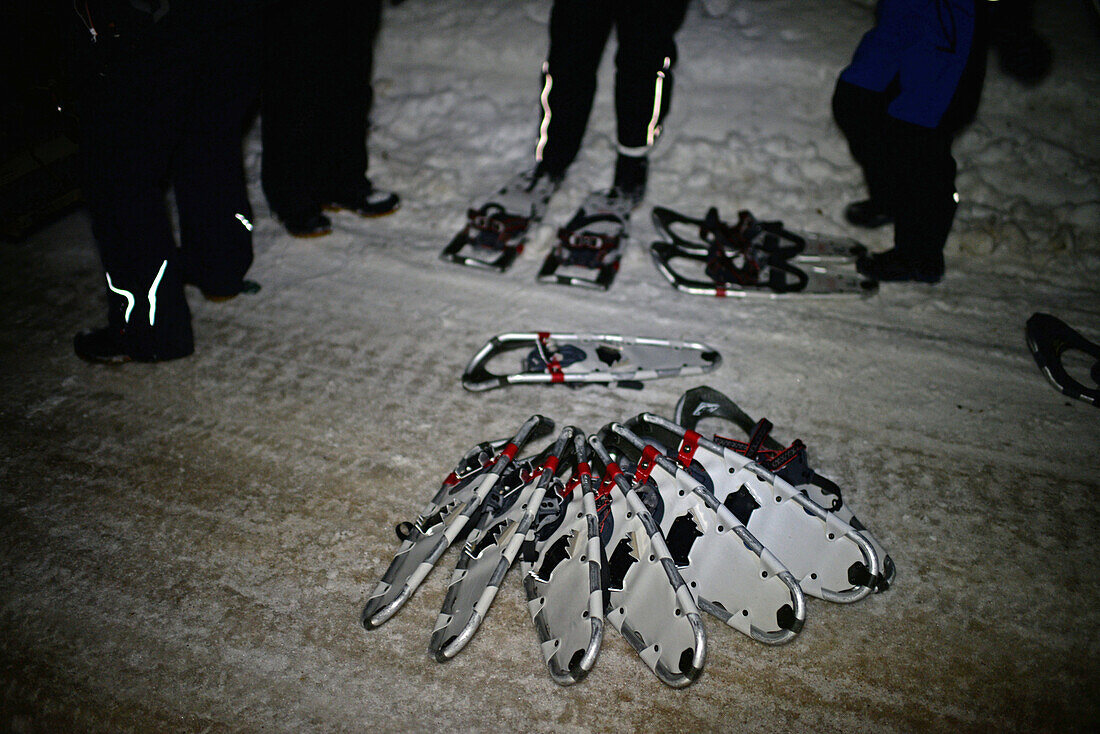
column 443, row 520
column 589, row 248
column 730, row 573
column 826, row 555
column 562, row 576
column 647, row 599
column 496, row 232
column 788, row 462
column 1049, row 340
column 586, row 358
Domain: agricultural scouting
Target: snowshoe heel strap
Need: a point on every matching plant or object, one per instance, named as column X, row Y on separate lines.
column 757, row 438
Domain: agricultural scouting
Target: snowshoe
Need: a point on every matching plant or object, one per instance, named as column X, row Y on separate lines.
column 1049, row 339
column 748, row 260
column 443, row 520
column 788, row 462
column 502, row 527
column 586, row 358
column 592, row 241
column 647, row 599
column 826, row 555
column 496, row 232
column 562, row 575
column 770, row 236
column 730, row 573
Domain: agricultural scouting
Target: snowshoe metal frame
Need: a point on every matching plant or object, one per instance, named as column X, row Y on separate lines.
column 604, row 358
column 1048, row 338
column 771, row 236
column 730, row 573
column 488, row 554
column 420, row 547
column 769, row 260
column 489, row 223
column 648, row 601
column 813, row 279
column 500, row 227
column 564, row 581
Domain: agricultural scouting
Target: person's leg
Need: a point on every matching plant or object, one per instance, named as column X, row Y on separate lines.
column 215, row 216
column 644, row 65
column 129, row 127
column 861, row 116
column 579, row 30
column 925, row 196
column 295, row 91
column 347, row 103
column 345, row 119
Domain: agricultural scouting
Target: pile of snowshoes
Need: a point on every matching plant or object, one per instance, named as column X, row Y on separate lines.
column 710, row 257
column 644, row 525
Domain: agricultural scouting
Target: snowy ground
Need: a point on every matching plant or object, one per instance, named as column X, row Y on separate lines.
column 188, row 545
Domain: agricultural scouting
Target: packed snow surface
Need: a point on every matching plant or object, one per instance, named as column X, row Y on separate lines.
column 188, row 545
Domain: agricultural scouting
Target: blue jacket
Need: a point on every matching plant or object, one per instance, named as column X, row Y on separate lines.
column 923, row 45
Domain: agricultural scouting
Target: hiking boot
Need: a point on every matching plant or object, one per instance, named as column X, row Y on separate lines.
column 890, row 266
column 307, row 226
column 366, row 201
column 113, row 345
column 866, row 214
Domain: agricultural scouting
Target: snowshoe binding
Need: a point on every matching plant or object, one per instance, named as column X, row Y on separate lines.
column 496, row 232
column 1049, row 340
column 788, row 462
column 592, row 242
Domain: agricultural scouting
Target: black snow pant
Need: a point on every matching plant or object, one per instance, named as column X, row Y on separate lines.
column 170, row 110
column 317, row 97
column 579, row 30
column 909, row 169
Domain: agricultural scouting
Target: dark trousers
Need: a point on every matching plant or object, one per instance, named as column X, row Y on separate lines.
column 170, row 111
column 579, row 30
column 317, row 97
column 909, row 170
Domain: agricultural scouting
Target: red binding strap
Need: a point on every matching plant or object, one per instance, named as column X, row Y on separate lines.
column 551, row 465
column 507, row 453
column 646, row 464
column 688, row 445
column 608, row 482
column 553, row 364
